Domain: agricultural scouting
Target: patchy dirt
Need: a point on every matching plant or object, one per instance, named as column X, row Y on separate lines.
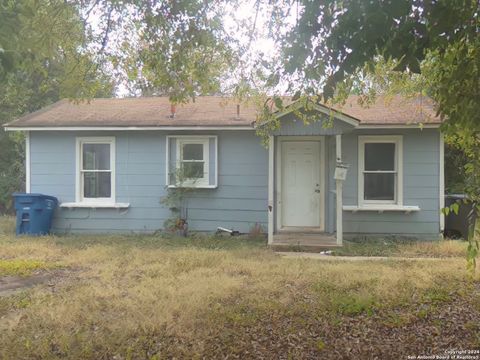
column 12, row 284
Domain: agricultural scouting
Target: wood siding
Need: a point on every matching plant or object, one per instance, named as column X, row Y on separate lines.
column 421, row 174
column 239, row 201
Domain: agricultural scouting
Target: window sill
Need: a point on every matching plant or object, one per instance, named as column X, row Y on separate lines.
column 72, row 205
column 381, row 208
column 193, row 187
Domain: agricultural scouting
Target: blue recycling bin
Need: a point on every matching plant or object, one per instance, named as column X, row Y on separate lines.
column 34, row 213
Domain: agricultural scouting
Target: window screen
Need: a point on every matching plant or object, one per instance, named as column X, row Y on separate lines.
column 193, row 163
column 380, row 175
column 96, row 172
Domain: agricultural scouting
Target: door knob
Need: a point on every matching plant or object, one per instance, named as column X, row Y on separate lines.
column 317, row 191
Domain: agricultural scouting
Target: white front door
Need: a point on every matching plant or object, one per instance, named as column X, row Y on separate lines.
column 301, row 185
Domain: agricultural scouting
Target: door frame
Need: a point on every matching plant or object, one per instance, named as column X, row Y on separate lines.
column 278, row 183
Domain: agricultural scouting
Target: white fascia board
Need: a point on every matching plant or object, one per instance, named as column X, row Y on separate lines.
column 400, row 126
column 126, row 128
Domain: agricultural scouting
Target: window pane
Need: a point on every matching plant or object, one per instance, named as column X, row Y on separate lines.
column 97, row 185
column 379, row 156
column 96, row 156
column 379, row 186
column 193, row 170
column 193, row 152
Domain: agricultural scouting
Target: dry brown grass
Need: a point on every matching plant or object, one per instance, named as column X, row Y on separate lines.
column 398, row 248
column 7, row 225
column 141, row 297
column 439, row 249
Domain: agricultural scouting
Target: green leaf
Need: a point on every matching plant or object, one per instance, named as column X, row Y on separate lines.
column 455, row 207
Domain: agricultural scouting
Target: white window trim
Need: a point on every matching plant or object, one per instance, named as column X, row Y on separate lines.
column 80, row 141
column 193, row 139
column 398, row 141
column 74, row 205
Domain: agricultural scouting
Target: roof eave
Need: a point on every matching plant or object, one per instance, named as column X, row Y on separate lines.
column 35, row 113
column 400, row 126
column 126, row 128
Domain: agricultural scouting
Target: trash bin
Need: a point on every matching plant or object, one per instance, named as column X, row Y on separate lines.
column 34, row 213
column 458, row 225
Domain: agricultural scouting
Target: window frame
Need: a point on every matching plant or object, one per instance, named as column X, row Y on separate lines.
column 199, row 182
column 79, row 183
column 398, row 169
column 180, row 140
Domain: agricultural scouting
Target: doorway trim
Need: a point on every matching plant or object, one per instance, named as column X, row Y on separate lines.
column 278, row 183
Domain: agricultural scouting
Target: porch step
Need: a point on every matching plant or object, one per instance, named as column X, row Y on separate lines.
column 303, row 242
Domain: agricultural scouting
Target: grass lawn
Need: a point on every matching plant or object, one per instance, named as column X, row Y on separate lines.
column 147, row 297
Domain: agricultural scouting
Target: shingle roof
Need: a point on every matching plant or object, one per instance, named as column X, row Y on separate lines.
column 206, row 111
column 394, row 110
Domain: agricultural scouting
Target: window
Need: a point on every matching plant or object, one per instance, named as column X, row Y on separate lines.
column 192, row 161
column 95, row 170
column 380, row 170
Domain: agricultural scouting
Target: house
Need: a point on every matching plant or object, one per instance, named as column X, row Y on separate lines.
column 110, row 161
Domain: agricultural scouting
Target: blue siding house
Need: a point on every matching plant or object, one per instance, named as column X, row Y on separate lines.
column 371, row 171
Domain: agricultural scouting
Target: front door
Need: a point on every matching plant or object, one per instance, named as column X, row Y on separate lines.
column 301, row 189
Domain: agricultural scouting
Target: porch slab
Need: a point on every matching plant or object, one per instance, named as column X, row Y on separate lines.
column 304, row 242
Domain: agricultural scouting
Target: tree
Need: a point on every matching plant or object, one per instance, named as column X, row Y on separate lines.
column 43, row 58
column 409, row 46
column 332, row 40
column 174, row 48
column 77, row 49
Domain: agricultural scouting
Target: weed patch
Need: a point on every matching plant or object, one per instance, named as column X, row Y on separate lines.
column 354, row 304
column 23, row 267
column 18, row 301
column 437, row 295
